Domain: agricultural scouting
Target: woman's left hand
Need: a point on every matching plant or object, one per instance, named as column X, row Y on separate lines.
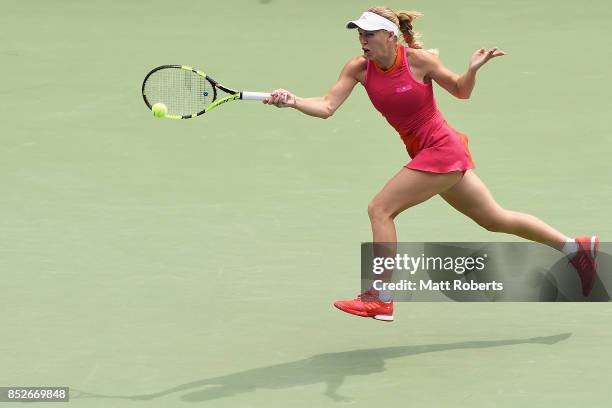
column 481, row 56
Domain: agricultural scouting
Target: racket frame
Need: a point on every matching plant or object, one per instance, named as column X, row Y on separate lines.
column 233, row 94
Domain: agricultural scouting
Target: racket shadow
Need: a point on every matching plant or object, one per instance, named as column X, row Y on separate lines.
column 330, row 369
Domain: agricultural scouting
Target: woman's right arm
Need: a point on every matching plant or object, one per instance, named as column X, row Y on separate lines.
column 322, row 106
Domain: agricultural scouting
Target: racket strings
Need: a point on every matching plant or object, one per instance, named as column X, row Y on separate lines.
column 183, row 92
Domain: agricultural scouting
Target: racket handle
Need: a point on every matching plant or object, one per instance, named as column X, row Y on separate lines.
column 254, row 96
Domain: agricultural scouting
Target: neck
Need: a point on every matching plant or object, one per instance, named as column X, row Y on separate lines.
column 386, row 61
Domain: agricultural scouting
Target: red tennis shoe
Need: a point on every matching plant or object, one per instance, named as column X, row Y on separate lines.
column 367, row 305
column 585, row 263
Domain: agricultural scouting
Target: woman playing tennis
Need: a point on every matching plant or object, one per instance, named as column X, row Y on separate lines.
column 399, row 82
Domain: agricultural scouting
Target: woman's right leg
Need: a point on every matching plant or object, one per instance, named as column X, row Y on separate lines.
column 406, row 189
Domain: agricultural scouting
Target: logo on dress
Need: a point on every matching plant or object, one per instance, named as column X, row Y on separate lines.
column 404, row 88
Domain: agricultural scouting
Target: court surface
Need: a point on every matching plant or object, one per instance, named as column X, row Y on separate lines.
column 162, row 263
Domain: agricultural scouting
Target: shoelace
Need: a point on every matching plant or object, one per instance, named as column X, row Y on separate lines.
column 368, row 293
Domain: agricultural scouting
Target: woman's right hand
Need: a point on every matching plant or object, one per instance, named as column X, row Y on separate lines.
column 281, row 98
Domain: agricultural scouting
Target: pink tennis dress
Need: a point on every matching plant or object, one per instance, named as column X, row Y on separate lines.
column 409, row 106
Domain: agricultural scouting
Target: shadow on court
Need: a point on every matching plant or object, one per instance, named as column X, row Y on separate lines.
column 328, row 368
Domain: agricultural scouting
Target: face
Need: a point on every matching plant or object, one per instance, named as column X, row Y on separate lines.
column 376, row 43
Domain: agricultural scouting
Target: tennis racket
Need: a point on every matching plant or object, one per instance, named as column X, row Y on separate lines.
column 188, row 92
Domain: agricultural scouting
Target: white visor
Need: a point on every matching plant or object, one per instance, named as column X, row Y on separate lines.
column 372, row 22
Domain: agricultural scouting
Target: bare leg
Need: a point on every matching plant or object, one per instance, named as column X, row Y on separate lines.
column 406, row 189
column 471, row 197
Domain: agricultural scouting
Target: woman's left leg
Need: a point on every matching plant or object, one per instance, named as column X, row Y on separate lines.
column 471, row 197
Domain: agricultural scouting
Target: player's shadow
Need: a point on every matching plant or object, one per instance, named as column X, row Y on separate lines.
column 328, row 368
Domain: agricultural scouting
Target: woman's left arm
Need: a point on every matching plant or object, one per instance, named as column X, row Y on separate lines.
column 461, row 86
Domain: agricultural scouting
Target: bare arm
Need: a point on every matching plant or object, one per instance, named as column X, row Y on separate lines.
column 322, row 106
column 460, row 86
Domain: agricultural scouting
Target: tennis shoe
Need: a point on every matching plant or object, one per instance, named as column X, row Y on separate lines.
column 585, row 262
column 368, row 304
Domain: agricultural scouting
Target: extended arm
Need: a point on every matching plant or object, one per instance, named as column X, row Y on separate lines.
column 322, row 106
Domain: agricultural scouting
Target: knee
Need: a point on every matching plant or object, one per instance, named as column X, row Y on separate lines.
column 492, row 226
column 493, row 223
column 379, row 212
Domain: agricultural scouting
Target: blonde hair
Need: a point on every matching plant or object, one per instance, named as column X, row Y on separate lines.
column 403, row 19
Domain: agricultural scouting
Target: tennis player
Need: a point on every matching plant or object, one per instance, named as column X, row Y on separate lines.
column 399, row 82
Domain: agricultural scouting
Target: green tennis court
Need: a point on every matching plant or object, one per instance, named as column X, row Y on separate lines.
column 161, row 263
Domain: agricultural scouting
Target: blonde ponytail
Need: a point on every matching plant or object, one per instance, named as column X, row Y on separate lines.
column 403, row 19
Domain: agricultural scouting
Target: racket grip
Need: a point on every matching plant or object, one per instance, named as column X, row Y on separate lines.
column 254, row 96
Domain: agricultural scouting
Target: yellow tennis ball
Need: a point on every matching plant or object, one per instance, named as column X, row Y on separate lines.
column 159, row 110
